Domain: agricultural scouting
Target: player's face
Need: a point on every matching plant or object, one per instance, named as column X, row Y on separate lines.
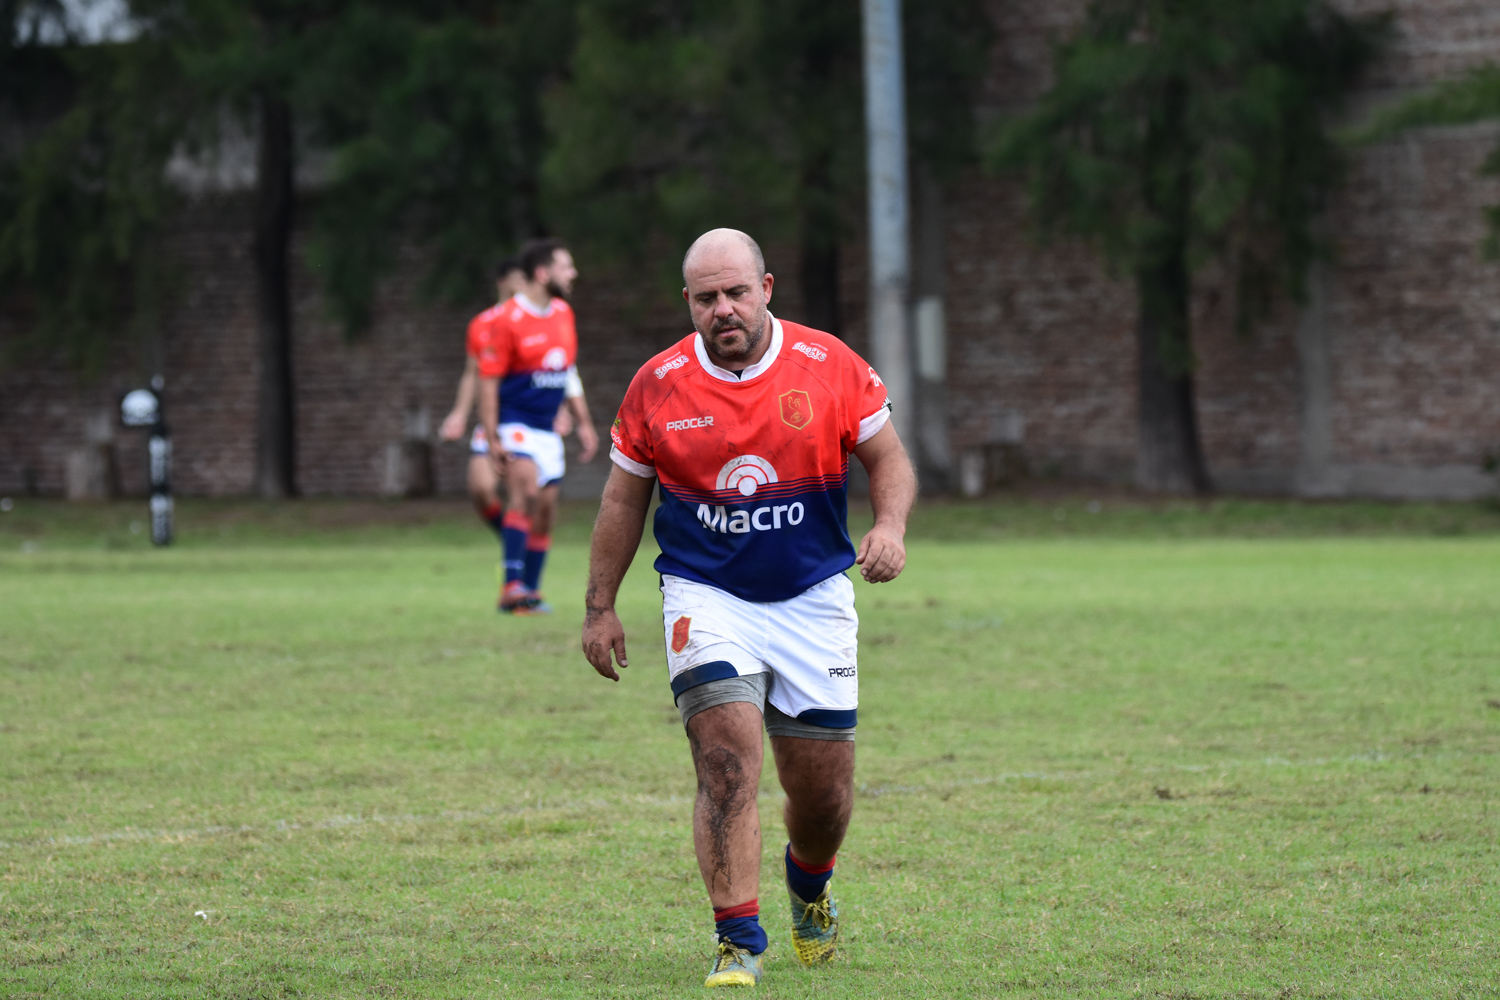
column 727, row 299
column 559, row 276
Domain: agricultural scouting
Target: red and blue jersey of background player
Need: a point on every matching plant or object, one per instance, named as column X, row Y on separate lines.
column 530, row 351
column 754, row 470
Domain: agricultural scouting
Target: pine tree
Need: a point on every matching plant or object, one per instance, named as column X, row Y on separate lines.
column 682, row 115
column 1181, row 130
column 428, row 114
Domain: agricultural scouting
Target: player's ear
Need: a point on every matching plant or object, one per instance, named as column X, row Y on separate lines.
column 685, row 294
column 766, row 283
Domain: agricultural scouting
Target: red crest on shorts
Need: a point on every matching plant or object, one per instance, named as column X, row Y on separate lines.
column 796, row 408
column 680, row 633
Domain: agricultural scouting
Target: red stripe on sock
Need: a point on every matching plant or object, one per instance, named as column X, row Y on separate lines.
column 515, row 519
column 750, row 909
column 803, row 866
column 492, row 510
column 538, row 543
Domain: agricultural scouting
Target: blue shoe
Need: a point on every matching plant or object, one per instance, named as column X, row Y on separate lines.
column 733, row 966
column 815, row 927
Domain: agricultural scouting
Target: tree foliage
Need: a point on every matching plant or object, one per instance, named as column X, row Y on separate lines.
column 424, row 119
column 81, row 186
column 437, row 121
column 1474, row 97
column 1201, row 121
column 685, row 114
column 1177, row 131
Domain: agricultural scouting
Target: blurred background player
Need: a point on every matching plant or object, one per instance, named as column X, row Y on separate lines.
column 484, row 475
column 526, row 367
column 484, row 478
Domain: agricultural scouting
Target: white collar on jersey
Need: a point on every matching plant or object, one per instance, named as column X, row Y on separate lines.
column 759, row 368
column 531, row 307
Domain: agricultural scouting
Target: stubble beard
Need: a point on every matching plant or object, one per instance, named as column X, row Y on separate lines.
column 752, row 338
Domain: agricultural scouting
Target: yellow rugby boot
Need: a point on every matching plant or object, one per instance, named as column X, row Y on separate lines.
column 815, row 927
column 733, row 966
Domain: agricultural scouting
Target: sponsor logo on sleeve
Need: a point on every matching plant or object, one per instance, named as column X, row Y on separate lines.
column 875, row 378
column 815, row 351
column 672, row 364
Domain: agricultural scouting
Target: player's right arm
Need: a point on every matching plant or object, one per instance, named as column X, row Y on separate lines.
column 617, row 535
column 489, row 417
column 455, row 422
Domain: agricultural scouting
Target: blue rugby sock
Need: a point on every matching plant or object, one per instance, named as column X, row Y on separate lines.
column 740, row 926
column 536, row 558
column 515, row 529
column 807, row 881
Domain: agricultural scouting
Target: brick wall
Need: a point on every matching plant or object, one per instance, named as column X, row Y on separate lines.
column 1388, row 383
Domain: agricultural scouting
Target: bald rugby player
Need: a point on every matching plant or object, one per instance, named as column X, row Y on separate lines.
column 747, row 425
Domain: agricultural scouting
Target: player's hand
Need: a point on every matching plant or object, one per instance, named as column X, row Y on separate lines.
column 562, row 424
column 498, row 458
column 603, row 634
column 882, row 555
column 453, row 426
column 589, row 439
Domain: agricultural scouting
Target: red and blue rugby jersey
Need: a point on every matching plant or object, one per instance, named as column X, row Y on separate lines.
column 754, row 470
column 530, row 351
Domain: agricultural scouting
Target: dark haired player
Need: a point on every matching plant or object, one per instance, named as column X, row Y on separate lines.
column 747, row 426
column 526, row 363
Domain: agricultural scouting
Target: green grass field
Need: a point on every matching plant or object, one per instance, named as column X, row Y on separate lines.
column 1235, row 749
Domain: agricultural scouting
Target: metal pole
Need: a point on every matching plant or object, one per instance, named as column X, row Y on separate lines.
column 890, row 254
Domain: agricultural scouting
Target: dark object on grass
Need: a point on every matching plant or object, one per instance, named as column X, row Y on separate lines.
column 143, row 408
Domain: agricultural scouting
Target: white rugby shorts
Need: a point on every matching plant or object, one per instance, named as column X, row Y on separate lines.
column 809, row 644
column 545, row 448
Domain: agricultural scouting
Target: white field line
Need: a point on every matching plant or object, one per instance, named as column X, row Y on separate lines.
column 348, row 821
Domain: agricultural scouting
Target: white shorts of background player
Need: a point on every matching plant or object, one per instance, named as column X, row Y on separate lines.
column 809, row 644
column 545, row 448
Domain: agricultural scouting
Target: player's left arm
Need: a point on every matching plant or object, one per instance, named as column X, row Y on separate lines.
column 893, row 490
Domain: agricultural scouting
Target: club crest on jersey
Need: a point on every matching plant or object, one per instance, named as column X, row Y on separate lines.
column 746, row 473
column 680, row 633
column 796, row 408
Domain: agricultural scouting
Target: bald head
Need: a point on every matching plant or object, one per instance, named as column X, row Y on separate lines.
column 727, row 289
column 723, row 246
